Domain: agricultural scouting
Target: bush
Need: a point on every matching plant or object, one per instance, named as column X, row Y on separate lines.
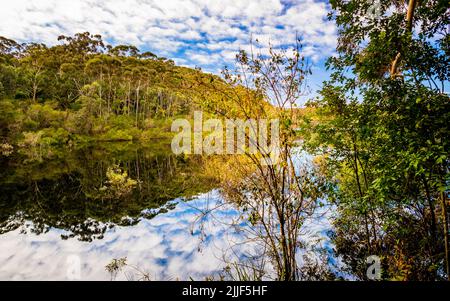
column 6, row 149
column 55, row 137
column 121, row 121
column 116, row 135
column 10, row 118
column 30, row 139
column 43, row 116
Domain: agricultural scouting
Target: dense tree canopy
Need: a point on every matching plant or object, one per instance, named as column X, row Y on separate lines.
column 84, row 86
column 384, row 130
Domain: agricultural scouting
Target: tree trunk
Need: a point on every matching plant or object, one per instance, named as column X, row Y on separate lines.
column 409, row 22
column 34, row 92
column 137, row 102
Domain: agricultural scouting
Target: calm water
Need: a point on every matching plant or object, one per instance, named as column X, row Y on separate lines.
column 60, row 217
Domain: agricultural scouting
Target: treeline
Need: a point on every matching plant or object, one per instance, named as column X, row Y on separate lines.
column 85, row 86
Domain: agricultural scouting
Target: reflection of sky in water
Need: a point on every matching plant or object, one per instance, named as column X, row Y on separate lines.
column 167, row 246
column 170, row 246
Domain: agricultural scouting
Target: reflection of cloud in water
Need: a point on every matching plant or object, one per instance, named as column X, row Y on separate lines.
column 164, row 246
column 170, row 246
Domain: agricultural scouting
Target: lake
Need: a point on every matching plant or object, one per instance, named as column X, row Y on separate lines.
column 64, row 217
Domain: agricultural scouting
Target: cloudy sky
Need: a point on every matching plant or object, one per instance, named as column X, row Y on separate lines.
column 205, row 33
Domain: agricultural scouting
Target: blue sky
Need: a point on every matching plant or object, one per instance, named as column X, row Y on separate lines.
column 204, row 33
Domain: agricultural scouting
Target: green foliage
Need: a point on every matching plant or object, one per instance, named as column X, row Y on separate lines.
column 118, row 183
column 10, row 119
column 385, row 135
column 116, row 135
column 39, row 116
column 62, row 188
column 91, row 89
column 59, row 136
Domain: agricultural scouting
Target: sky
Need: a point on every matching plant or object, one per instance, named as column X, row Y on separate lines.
column 194, row 33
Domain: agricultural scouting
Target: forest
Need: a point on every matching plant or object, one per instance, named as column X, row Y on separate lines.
column 377, row 132
column 85, row 88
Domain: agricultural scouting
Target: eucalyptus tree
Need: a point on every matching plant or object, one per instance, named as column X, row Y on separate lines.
column 33, row 69
column 10, row 51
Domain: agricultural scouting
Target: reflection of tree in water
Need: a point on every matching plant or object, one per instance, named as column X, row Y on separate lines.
column 65, row 191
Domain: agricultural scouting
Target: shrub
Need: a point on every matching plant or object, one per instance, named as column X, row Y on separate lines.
column 118, row 183
column 30, row 139
column 6, row 149
column 43, row 116
column 116, row 135
column 55, row 137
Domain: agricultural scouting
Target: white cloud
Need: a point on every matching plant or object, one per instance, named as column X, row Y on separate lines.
column 168, row 247
column 163, row 246
column 176, row 28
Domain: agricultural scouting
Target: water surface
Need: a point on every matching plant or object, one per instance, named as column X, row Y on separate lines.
column 60, row 219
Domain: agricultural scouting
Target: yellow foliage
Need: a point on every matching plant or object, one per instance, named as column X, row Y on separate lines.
column 118, row 183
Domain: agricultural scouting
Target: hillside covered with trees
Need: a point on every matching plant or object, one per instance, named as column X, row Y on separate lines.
column 83, row 88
